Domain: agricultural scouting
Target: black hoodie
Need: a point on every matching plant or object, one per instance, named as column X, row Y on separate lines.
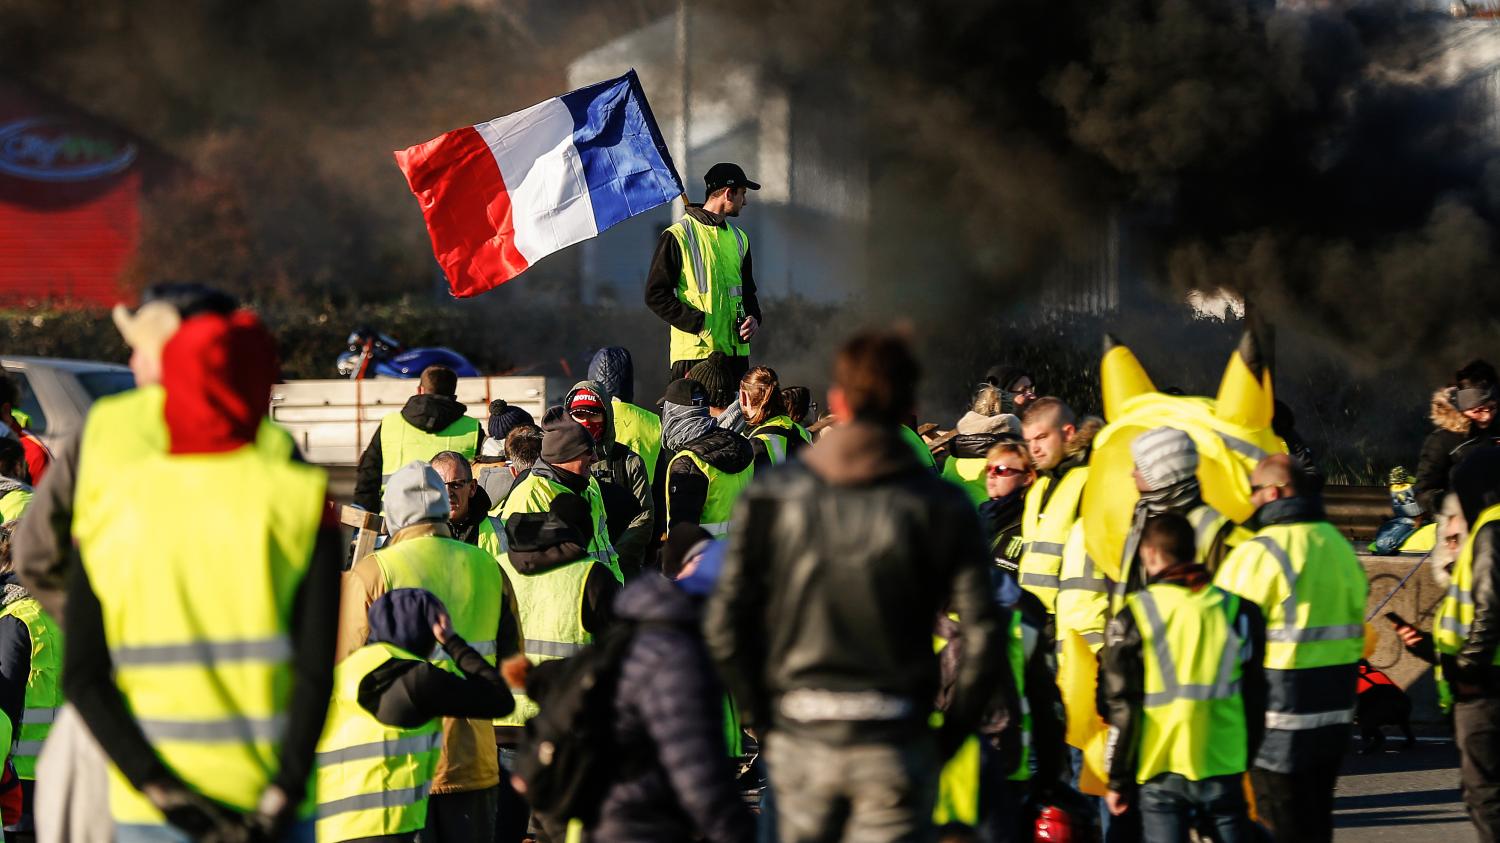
column 428, row 413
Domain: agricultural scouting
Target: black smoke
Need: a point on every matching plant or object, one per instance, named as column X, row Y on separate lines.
column 1334, row 163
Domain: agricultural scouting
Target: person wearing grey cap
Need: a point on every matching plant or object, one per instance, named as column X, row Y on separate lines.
column 1463, row 418
column 423, row 554
column 701, row 282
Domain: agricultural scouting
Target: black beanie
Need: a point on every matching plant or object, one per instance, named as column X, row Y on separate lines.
column 504, row 418
column 686, row 392
column 562, row 438
column 718, row 381
column 683, row 537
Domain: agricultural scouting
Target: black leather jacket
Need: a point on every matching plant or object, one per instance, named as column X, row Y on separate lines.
column 835, row 568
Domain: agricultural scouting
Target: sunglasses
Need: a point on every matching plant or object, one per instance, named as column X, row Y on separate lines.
column 1005, row 471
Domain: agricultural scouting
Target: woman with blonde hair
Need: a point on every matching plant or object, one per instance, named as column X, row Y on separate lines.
column 985, row 425
column 773, row 435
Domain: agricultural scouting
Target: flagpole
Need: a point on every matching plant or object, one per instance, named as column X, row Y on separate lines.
column 684, row 95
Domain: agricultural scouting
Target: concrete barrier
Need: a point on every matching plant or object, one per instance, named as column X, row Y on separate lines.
column 1417, row 602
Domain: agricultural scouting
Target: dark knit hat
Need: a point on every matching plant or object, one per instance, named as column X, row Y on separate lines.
column 562, row 438
column 683, row 537
column 718, row 381
column 504, row 418
column 686, row 392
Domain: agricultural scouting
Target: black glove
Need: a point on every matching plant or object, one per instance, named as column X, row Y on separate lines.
column 199, row 817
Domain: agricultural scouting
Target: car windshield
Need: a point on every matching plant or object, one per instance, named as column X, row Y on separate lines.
column 106, row 382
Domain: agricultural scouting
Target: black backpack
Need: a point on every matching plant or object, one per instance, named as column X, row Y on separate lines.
column 568, row 750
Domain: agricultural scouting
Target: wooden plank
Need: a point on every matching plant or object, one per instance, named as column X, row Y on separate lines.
column 360, row 519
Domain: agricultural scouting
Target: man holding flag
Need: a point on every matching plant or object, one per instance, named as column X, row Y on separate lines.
column 700, row 281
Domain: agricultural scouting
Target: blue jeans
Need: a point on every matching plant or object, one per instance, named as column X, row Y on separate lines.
column 1170, row 805
column 300, row 833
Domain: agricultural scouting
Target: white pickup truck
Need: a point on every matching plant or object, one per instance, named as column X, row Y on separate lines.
column 331, row 420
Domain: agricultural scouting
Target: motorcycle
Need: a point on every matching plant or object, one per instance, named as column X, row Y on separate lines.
column 372, row 354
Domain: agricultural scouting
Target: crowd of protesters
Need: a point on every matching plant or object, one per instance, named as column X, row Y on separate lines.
column 722, row 615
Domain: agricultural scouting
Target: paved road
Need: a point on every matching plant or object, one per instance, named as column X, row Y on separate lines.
column 1407, row 796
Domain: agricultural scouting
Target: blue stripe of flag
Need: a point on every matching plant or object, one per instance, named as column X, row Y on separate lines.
column 625, row 161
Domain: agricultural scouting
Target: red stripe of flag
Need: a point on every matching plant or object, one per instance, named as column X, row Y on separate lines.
column 467, row 209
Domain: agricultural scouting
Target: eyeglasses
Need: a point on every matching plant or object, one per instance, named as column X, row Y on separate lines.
column 1005, row 471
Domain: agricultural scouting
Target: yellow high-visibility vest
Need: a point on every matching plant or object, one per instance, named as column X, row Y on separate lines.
column 201, row 652
column 724, row 489
column 463, row 576
column 372, row 778
column 1450, row 627
column 710, row 282
column 43, row 684
column 1312, row 588
column 1193, row 717
column 401, row 442
column 1045, row 529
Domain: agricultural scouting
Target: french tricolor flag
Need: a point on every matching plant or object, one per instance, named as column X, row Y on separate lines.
column 502, row 195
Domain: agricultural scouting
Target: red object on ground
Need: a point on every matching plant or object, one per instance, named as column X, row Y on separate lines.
column 1369, row 677
column 1054, row 825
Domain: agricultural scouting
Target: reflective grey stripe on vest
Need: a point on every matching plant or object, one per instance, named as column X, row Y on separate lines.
column 777, row 446
column 1047, row 548
column 1091, row 581
column 1289, row 632
column 483, row 648
column 695, row 253
column 499, row 527
column 1451, row 623
column 1205, row 525
column 1316, row 633
column 227, row 730
column 371, row 801
column 1242, row 447
column 551, row 648
column 1040, row 580
column 1092, row 637
column 1224, row 687
column 29, row 749
column 1290, row 722
column 37, row 716
column 717, row 529
column 739, row 239
column 411, row 745
column 202, row 652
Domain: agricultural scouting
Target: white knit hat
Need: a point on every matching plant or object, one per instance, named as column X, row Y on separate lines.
column 1165, row 456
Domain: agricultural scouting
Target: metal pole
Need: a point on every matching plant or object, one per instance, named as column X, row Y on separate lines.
column 684, row 98
column 1399, row 585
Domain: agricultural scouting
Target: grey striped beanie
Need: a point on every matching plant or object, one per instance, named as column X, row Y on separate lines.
column 1165, row 456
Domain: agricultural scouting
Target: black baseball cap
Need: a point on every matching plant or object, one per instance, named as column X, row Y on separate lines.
column 727, row 175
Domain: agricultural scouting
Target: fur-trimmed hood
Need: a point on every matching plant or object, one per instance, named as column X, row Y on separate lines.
column 1445, row 415
column 1088, row 427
